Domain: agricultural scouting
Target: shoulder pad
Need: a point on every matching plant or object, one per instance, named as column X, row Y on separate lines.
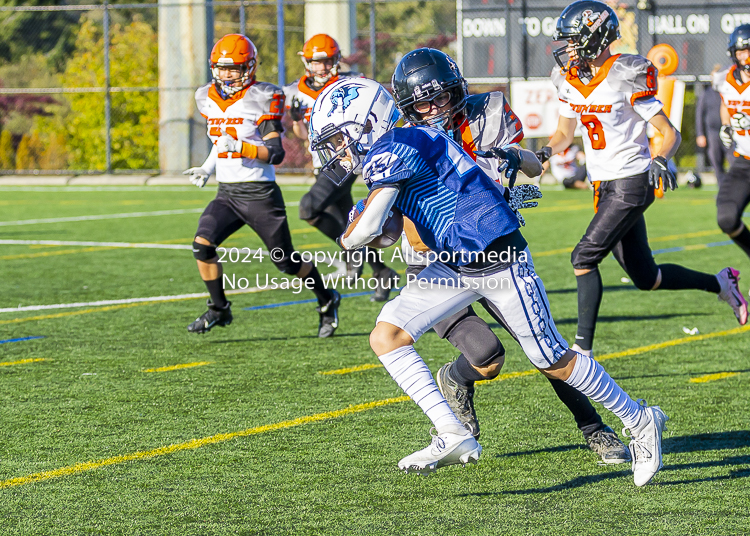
column 558, row 77
column 290, row 90
column 492, row 121
column 268, row 97
column 717, row 79
column 201, row 96
column 633, row 75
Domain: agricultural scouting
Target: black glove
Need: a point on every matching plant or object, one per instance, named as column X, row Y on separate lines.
column 725, row 135
column 543, row 154
column 660, row 170
column 296, row 111
column 510, row 162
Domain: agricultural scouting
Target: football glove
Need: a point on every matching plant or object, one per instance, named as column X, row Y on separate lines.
column 660, row 171
column 227, row 144
column 356, row 210
column 198, row 176
column 296, row 111
column 740, row 121
column 522, row 196
column 725, row 135
column 510, row 161
column 544, row 154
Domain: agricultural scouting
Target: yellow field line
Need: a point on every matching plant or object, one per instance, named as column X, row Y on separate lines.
column 178, row 367
column 54, row 253
column 713, row 377
column 218, row 438
column 196, row 443
column 351, row 369
column 313, row 246
column 22, row 361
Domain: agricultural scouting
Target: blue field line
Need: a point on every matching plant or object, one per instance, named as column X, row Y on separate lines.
column 282, row 304
column 682, row 248
column 22, row 339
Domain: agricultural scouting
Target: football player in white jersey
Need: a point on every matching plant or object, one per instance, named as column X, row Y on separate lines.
column 613, row 97
column 733, row 85
column 430, row 90
column 327, row 204
column 244, row 125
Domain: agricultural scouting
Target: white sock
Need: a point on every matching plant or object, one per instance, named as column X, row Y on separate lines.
column 590, row 378
column 412, row 375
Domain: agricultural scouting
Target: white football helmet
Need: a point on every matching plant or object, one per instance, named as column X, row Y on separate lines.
column 347, row 118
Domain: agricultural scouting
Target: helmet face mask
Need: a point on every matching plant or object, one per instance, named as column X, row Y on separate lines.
column 233, row 62
column 588, row 27
column 347, row 119
column 740, row 40
column 425, row 75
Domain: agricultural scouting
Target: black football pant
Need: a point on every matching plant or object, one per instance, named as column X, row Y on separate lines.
column 733, row 198
column 717, row 155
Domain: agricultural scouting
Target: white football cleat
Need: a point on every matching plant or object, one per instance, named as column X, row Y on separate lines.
column 445, row 449
column 730, row 292
column 645, row 446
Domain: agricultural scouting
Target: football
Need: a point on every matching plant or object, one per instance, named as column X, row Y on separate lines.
column 392, row 228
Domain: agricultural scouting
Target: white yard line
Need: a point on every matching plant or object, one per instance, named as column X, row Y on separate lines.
column 95, row 244
column 103, row 217
column 102, row 303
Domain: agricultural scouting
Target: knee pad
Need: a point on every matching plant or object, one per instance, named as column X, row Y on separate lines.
column 727, row 221
column 644, row 280
column 306, row 211
column 203, row 252
column 474, row 338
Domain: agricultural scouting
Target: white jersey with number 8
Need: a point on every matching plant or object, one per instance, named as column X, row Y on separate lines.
column 614, row 109
column 239, row 116
column 736, row 97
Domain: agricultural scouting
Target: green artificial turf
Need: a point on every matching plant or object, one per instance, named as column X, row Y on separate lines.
column 90, row 400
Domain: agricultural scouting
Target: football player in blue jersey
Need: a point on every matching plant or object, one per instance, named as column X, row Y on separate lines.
column 429, row 89
column 463, row 217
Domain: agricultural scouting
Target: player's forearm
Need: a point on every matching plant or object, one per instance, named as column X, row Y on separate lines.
column 300, row 130
column 563, row 136
column 672, row 137
column 530, row 165
column 209, row 165
column 724, row 113
column 369, row 224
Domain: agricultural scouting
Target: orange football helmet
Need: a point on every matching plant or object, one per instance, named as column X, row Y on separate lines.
column 319, row 48
column 233, row 52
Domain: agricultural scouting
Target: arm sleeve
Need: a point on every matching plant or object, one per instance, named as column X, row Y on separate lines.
column 370, row 223
column 210, row 164
column 645, row 81
column 566, row 110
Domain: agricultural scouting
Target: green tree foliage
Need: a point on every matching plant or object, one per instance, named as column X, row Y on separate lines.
column 54, row 154
column 24, row 159
column 7, row 154
column 135, row 115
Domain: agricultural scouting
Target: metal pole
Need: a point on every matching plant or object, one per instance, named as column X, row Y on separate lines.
column 508, row 44
column 209, row 30
column 280, row 46
column 243, row 23
column 107, row 94
column 373, row 55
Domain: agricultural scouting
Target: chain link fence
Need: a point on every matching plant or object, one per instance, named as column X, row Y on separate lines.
column 90, row 88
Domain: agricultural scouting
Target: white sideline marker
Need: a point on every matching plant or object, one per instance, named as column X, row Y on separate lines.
column 103, row 217
column 95, row 244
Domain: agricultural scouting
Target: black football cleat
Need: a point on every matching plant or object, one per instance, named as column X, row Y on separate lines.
column 215, row 316
column 387, row 280
column 329, row 316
